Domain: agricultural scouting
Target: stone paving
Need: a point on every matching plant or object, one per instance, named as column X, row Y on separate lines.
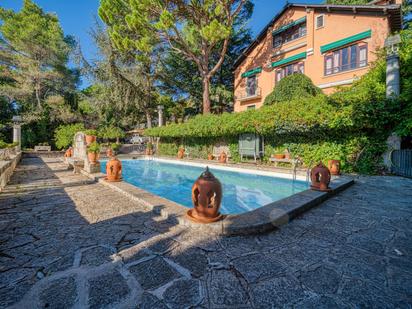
column 66, row 242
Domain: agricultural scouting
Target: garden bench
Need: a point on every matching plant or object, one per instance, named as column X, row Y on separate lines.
column 42, row 148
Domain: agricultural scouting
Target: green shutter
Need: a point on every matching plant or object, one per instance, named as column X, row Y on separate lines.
column 286, row 27
column 252, row 72
column 351, row 39
column 289, row 59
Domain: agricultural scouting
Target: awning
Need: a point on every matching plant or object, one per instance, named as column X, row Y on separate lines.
column 252, row 72
column 348, row 40
column 289, row 59
column 286, row 27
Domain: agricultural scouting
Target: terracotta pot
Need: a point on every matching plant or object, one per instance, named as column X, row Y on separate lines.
column 223, row 157
column 109, row 152
column 113, row 170
column 181, row 153
column 287, row 155
column 149, row 152
column 279, row 155
column 320, row 177
column 93, row 157
column 206, row 198
column 334, row 167
column 90, row 139
column 69, row 153
column 210, row 156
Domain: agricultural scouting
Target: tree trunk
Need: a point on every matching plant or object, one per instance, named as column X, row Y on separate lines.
column 37, row 90
column 206, row 95
column 148, row 119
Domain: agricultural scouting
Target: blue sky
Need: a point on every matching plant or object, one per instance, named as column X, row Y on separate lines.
column 77, row 16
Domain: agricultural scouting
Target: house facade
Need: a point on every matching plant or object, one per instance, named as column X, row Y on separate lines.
column 332, row 44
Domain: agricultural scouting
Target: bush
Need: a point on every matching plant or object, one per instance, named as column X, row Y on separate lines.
column 110, row 132
column 90, row 132
column 94, row 148
column 295, row 86
column 64, row 134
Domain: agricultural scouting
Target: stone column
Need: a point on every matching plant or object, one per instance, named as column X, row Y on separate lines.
column 160, row 109
column 17, row 132
column 392, row 90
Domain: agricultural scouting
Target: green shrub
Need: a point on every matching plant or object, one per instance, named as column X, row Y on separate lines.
column 110, row 132
column 64, row 134
column 90, row 132
column 115, row 146
column 295, row 86
column 3, row 144
column 93, row 147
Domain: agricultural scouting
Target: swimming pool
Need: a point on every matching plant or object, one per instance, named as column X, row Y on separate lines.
column 242, row 191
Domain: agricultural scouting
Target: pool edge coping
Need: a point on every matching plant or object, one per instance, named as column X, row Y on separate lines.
column 260, row 220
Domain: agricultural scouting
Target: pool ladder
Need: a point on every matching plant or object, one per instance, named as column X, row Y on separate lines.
column 308, row 172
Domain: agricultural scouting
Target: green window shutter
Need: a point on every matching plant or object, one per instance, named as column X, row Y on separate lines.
column 289, row 59
column 351, row 39
column 252, row 72
column 286, row 27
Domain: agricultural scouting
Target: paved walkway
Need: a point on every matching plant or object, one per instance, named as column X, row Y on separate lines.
column 67, row 243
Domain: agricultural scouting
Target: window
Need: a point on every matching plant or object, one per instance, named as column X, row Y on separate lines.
column 320, row 21
column 251, row 85
column 347, row 58
column 289, row 69
column 251, row 107
column 290, row 34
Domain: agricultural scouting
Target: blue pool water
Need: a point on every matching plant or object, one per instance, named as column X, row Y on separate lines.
column 241, row 192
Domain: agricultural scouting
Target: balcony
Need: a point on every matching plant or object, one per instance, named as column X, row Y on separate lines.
column 250, row 94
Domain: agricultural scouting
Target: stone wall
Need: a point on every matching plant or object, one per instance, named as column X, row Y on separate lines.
column 6, row 169
column 46, row 154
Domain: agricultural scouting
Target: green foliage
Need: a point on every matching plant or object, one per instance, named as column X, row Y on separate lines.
column 64, row 134
column 115, row 146
column 93, row 148
column 4, row 145
column 110, row 132
column 90, row 132
column 291, row 87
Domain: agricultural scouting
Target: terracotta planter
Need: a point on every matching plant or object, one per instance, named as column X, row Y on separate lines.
column 109, row 152
column 279, row 156
column 223, row 157
column 210, row 157
column 206, row 198
column 113, row 170
column 149, row 152
column 287, row 155
column 334, row 167
column 93, row 157
column 181, row 153
column 68, row 153
column 90, row 139
column 320, row 178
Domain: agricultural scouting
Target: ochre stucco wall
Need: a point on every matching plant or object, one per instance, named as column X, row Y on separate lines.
column 337, row 26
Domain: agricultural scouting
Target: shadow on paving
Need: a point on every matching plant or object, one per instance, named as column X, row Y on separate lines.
column 69, row 243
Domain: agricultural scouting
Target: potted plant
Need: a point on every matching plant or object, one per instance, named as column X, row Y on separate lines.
column 210, row 156
column 149, row 149
column 91, row 136
column 112, row 149
column 93, row 151
column 181, row 152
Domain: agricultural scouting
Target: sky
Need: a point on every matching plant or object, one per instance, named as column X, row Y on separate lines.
column 77, row 17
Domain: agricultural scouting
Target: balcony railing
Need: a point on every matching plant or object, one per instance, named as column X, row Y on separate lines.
column 249, row 94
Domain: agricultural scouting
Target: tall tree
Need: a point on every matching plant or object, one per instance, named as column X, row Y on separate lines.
column 33, row 55
column 192, row 28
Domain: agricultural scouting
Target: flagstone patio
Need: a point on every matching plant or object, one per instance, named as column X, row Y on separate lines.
column 67, row 242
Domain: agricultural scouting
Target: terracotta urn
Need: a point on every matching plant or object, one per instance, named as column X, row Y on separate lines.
column 181, row 153
column 90, row 139
column 113, row 170
column 93, row 157
column 222, row 157
column 287, row 154
column 109, row 152
column 334, row 167
column 320, row 178
column 68, row 153
column 206, row 198
column 210, row 157
column 279, row 156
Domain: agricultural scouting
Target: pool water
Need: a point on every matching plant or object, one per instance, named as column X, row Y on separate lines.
column 241, row 192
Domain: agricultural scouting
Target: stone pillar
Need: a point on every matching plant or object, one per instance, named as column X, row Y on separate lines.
column 17, row 132
column 160, row 109
column 393, row 90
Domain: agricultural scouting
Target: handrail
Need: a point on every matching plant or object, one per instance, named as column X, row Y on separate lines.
column 308, row 171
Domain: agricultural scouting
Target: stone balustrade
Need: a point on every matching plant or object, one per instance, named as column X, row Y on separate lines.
column 9, row 158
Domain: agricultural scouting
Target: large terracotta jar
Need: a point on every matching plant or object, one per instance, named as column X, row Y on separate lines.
column 210, row 157
column 334, row 167
column 69, row 152
column 320, row 178
column 93, row 157
column 181, row 153
column 222, row 157
column 109, row 152
column 113, row 170
column 206, row 198
column 90, row 139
